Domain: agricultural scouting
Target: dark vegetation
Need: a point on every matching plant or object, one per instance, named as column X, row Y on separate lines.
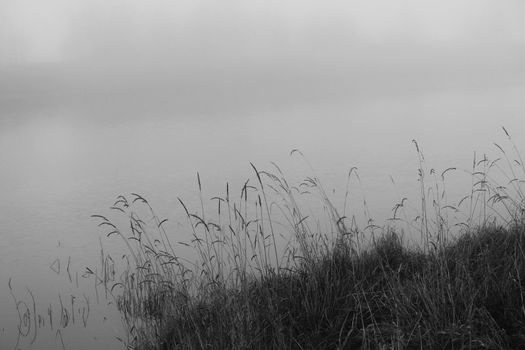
column 329, row 282
column 467, row 296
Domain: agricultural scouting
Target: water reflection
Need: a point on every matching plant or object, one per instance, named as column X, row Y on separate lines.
column 59, row 166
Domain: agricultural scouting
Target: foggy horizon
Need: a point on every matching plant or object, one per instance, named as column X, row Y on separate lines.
column 89, row 52
column 266, row 84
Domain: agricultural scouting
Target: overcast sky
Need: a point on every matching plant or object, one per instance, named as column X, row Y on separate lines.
column 69, row 30
column 163, row 40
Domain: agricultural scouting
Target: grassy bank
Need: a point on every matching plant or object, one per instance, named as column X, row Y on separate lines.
column 470, row 296
column 467, row 296
column 271, row 272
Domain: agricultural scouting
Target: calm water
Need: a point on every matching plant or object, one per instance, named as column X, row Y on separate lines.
column 60, row 163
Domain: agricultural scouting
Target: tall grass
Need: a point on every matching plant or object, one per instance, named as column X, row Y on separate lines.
column 270, row 274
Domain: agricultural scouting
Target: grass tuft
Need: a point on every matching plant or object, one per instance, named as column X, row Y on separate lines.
column 271, row 273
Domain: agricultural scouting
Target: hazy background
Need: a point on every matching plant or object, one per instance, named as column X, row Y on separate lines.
column 102, row 98
column 243, row 55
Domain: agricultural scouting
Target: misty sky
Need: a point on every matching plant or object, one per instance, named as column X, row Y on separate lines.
column 287, row 44
column 131, row 30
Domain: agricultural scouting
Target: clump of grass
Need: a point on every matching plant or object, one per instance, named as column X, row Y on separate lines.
column 268, row 276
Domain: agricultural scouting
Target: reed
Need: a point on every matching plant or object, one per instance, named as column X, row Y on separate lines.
column 268, row 273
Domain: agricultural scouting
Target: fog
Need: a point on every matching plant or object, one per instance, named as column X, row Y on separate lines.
column 138, row 33
column 100, row 98
column 211, row 55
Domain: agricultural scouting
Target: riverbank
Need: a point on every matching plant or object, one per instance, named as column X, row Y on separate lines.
column 470, row 294
column 271, row 270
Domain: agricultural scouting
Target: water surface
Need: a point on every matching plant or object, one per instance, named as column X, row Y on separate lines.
column 63, row 160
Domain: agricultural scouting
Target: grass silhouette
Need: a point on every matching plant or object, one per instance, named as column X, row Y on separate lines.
column 267, row 276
